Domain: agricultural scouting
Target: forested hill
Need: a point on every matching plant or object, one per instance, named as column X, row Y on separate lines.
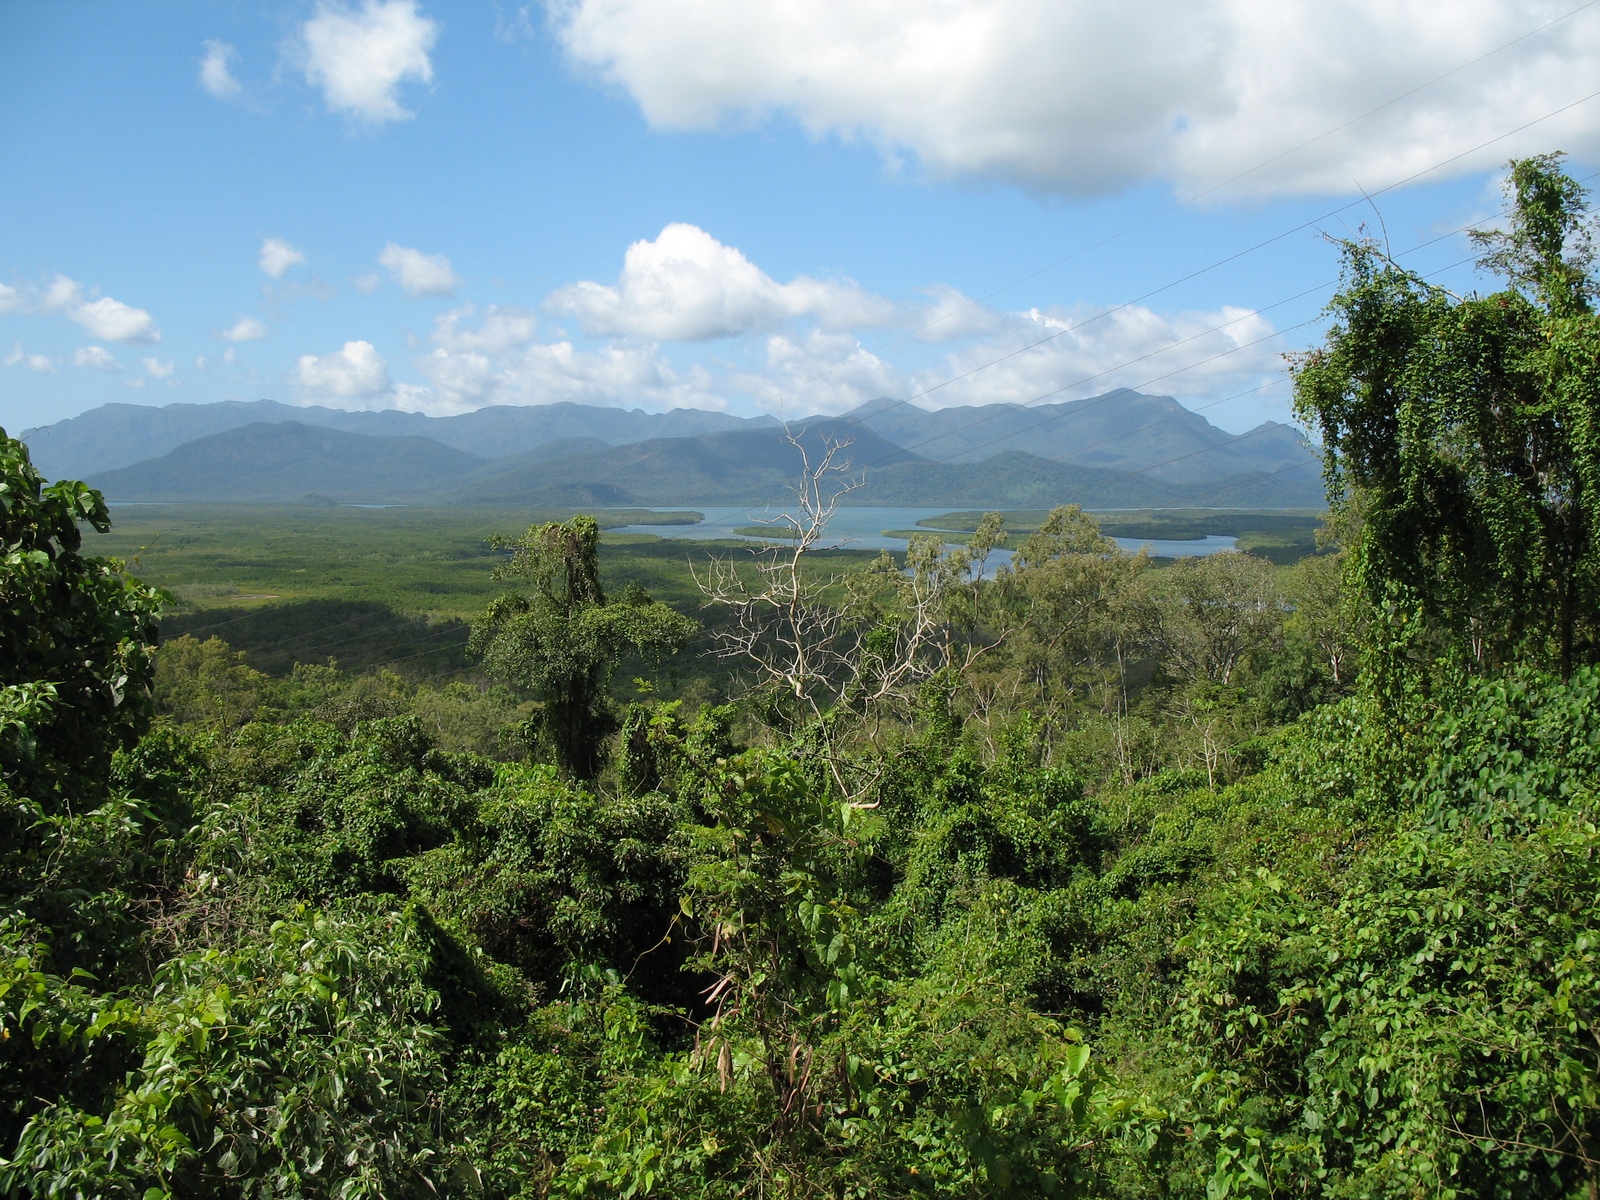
column 290, row 461
column 1122, row 447
column 119, row 435
column 1121, row 430
column 287, row 461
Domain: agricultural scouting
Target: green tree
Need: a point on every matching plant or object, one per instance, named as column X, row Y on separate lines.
column 561, row 639
column 1214, row 611
column 1069, row 603
column 1426, row 1019
column 206, row 683
column 1460, row 441
column 77, row 636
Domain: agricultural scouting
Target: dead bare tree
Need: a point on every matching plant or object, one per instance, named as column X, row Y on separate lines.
column 781, row 628
column 830, row 647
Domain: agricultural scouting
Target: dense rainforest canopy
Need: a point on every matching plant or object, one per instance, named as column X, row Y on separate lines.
column 1093, row 876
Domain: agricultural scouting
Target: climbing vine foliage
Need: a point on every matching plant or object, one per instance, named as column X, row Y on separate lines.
column 1461, row 439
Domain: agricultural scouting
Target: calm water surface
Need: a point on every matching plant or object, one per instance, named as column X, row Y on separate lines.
column 867, row 529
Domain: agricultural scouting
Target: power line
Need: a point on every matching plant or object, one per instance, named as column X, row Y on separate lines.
column 1226, row 485
column 1367, row 198
column 1206, row 192
column 1238, row 254
column 1229, row 484
column 1222, row 486
column 1084, row 406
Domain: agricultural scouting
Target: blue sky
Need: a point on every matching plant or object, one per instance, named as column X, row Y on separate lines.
column 776, row 207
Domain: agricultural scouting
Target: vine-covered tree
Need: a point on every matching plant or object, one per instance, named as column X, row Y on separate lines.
column 1460, row 440
column 562, row 639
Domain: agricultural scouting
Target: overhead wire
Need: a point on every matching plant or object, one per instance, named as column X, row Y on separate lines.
column 1366, row 199
column 1084, row 406
column 1223, row 485
column 1301, row 227
column 1200, row 195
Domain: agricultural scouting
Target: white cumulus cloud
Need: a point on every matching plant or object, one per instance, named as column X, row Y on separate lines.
column 113, row 321
column 277, row 256
column 686, row 286
column 40, row 363
column 1085, row 97
column 360, row 57
column 216, row 71
column 356, row 372
column 1084, row 351
column 618, row 374
column 96, row 358
column 504, row 327
column 107, row 319
column 159, row 369
column 418, row 273
column 818, row 372
column 462, row 379
column 498, row 361
column 245, row 329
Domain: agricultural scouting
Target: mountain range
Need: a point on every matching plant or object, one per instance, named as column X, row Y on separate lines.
column 119, row 435
column 1122, row 449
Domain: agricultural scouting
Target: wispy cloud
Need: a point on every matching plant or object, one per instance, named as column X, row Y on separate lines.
column 216, row 71
column 245, row 329
column 96, row 358
column 39, row 363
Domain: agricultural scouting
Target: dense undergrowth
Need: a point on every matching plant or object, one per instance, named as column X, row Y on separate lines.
column 340, row 961
column 1093, row 880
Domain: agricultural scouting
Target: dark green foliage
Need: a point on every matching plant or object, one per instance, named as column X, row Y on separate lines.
column 563, row 885
column 358, row 635
column 1509, row 752
column 301, row 1062
column 562, row 640
column 76, row 636
column 76, row 641
column 1460, row 442
column 1428, row 1021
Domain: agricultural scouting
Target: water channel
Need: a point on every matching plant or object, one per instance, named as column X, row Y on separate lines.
column 873, row 529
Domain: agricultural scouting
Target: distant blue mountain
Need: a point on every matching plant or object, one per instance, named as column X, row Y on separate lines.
column 293, row 462
column 119, row 435
column 1123, row 430
column 285, row 460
